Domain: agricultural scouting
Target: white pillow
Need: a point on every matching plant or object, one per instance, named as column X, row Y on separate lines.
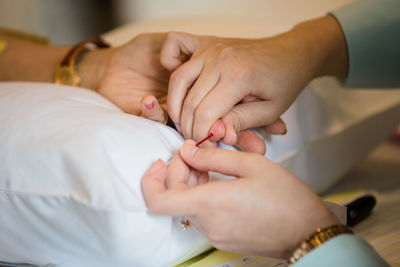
column 331, row 129
column 70, row 182
column 70, row 190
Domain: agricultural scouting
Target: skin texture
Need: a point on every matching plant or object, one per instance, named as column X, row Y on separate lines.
column 256, row 79
column 247, row 83
column 131, row 76
column 266, row 211
column 229, row 85
column 110, row 72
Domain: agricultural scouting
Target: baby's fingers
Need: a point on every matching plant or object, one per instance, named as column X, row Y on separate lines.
column 151, row 109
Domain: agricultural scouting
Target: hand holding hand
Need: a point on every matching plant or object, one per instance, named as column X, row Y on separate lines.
column 133, row 78
column 266, row 211
column 243, row 82
column 246, row 83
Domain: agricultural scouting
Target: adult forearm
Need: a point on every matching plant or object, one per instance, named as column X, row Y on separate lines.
column 323, row 45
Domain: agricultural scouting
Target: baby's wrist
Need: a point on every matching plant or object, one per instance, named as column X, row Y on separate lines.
column 92, row 67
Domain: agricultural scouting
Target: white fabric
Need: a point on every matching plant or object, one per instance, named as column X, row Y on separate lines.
column 70, row 175
column 330, row 129
column 72, row 163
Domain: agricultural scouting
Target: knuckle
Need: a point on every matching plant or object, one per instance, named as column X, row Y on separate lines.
column 242, row 72
column 176, row 79
column 189, row 104
column 237, row 120
column 228, row 51
column 172, row 35
column 203, row 115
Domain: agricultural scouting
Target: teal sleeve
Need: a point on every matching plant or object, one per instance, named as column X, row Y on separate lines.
column 343, row 250
column 372, row 32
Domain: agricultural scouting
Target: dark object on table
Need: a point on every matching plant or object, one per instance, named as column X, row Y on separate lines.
column 359, row 209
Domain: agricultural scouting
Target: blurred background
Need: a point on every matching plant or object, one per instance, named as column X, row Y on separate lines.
column 70, row 21
column 62, row 21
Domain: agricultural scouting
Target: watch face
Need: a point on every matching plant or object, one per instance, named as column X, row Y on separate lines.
column 66, row 75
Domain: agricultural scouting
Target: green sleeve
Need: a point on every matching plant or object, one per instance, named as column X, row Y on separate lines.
column 343, row 250
column 372, row 32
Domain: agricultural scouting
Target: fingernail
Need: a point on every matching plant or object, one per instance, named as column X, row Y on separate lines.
column 149, row 106
column 188, row 149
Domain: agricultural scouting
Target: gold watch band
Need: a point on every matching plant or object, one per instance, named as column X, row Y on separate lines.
column 319, row 237
column 65, row 71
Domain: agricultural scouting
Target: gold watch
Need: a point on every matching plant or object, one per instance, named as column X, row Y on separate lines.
column 65, row 71
column 319, row 237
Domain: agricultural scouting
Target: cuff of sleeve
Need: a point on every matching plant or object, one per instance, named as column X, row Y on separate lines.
column 343, row 250
column 371, row 29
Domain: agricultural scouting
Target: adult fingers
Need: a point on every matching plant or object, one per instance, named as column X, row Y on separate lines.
column 246, row 116
column 248, row 141
column 215, row 105
column 218, row 131
column 206, row 81
column 180, row 82
column 151, row 109
column 176, row 45
column 227, row 162
column 277, row 127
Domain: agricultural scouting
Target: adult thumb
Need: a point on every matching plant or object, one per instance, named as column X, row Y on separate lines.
column 246, row 116
column 177, row 48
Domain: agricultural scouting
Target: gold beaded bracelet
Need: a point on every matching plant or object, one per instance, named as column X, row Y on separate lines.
column 319, row 237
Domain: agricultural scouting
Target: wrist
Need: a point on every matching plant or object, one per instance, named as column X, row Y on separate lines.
column 318, row 216
column 324, row 46
column 318, row 238
column 92, row 66
column 81, row 67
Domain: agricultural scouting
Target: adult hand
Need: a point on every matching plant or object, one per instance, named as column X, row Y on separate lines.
column 133, row 78
column 266, row 211
column 246, row 83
